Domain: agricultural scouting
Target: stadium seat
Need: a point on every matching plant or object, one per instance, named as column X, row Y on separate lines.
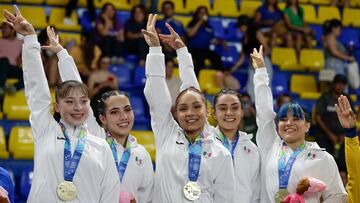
column 249, row 7
column 354, row 3
column 21, row 144
column 30, row 1
column 232, row 33
column 4, row 154
column 146, row 138
column 56, row 2
column 218, row 28
column 176, row 72
column 57, row 18
column 6, row 1
column 207, row 81
column 318, row 34
column 303, row 84
column 179, row 6
column 320, row 2
column 191, row 6
column 351, row 17
column 123, row 75
column 15, row 106
column 279, row 84
column 139, row 77
column 309, row 13
column 349, row 36
column 67, row 37
column 7, row 7
column 226, row 8
column 312, row 59
column 183, row 19
column 327, row 13
column 35, row 15
column 285, row 58
column 242, row 77
column 119, row 4
column 25, row 181
column 229, row 55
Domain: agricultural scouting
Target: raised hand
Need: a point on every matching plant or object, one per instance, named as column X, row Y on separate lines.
column 344, row 112
column 18, row 22
column 150, row 34
column 173, row 40
column 54, row 44
column 258, row 58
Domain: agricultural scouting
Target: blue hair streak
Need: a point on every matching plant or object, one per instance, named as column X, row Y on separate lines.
column 293, row 108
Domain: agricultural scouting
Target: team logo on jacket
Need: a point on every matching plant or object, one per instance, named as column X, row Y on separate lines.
column 207, row 154
column 247, row 150
column 139, row 161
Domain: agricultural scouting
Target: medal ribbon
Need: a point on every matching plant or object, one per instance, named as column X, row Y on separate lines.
column 71, row 163
column 284, row 167
column 233, row 143
column 195, row 159
column 121, row 167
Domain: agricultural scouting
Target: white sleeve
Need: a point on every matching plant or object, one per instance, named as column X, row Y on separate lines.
column 158, row 96
column 110, row 184
column 186, row 69
column 69, row 71
column 146, row 188
column 256, row 181
column 224, row 186
column 36, row 87
column 265, row 115
column 335, row 191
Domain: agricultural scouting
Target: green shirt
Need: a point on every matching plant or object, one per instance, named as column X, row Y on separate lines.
column 295, row 19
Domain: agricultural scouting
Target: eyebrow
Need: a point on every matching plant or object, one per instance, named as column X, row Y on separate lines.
column 233, row 104
column 117, row 108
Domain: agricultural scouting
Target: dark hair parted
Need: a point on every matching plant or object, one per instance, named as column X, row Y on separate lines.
column 63, row 89
column 226, row 91
column 101, row 105
column 193, row 89
column 330, row 24
column 294, row 109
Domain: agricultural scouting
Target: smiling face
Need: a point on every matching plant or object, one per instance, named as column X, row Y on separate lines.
column 292, row 126
column 119, row 117
column 228, row 112
column 74, row 107
column 191, row 112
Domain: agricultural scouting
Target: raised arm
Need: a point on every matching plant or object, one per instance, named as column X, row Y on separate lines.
column 186, row 66
column 265, row 115
column 69, row 71
column 347, row 120
column 156, row 91
column 36, row 86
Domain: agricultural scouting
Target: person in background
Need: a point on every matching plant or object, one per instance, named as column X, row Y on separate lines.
column 10, row 60
column 173, row 82
column 71, row 6
column 294, row 20
column 134, row 39
column 167, row 9
column 283, row 99
column 200, row 35
column 330, row 134
column 86, row 55
column 6, row 187
column 248, row 123
column 110, row 33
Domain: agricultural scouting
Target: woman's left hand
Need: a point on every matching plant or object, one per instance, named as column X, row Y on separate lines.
column 173, row 40
column 54, row 44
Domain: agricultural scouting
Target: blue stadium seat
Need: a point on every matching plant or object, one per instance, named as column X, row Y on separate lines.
column 242, row 76
column 229, row 55
column 348, row 36
column 123, row 75
column 85, row 21
column 218, row 27
column 139, row 77
column 318, row 34
column 25, row 182
column 138, row 107
column 279, row 84
column 232, row 33
column 306, row 104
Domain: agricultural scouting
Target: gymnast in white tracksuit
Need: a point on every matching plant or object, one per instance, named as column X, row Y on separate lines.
column 191, row 165
column 285, row 156
column 86, row 172
column 117, row 117
column 228, row 113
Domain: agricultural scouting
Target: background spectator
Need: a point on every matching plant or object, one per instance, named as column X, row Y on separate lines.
column 70, row 7
column 248, row 122
column 200, row 35
column 10, row 60
column 283, row 99
column 134, row 39
column 172, row 81
column 86, row 55
column 111, row 33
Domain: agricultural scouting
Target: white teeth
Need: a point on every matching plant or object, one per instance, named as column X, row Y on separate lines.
column 229, row 119
column 289, row 130
column 191, row 120
column 123, row 124
column 77, row 116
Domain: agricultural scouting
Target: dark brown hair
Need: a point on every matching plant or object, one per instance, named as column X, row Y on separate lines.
column 193, row 89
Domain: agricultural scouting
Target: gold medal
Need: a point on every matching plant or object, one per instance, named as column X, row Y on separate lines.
column 280, row 195
column 192, row 191
column 67, row 191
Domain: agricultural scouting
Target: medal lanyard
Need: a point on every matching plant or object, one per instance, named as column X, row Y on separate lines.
column 121, row 167
column 284, row 168
column 225, row 142
column 71, row 163
column 195, row 158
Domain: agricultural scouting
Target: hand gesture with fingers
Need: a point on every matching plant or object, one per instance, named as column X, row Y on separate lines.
column 258, row 58
column 150, row 34
column 54, row 44
column 345, row 114
column 173, row 40
column 18, row 22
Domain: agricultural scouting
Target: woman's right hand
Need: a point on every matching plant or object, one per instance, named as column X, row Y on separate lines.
column 173, row 40
column 150, row 34
column 54, row 44
column 258, row 58
column 344, row 112
column 18, row 22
